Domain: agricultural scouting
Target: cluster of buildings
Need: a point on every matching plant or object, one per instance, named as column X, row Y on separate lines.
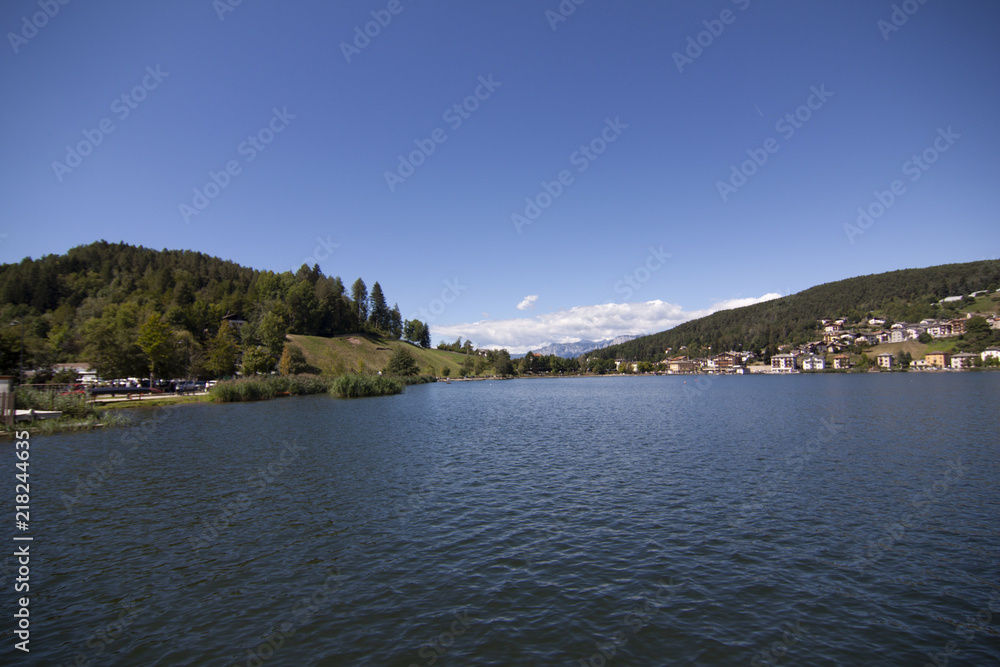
column 831, row 353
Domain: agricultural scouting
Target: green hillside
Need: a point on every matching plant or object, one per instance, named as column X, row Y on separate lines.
column 905, row 295
column 131, row 311
column 347, row 354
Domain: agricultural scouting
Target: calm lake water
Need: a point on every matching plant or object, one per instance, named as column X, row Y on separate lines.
column 820, row 520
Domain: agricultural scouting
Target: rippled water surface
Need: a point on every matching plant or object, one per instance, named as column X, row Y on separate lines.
column 815, row 520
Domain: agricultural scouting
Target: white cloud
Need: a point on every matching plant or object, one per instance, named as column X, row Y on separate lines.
column 597, row 322
column 528, row 302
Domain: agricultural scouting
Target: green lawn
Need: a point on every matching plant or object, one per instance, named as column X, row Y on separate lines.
column 357, row 354
column 916, row 350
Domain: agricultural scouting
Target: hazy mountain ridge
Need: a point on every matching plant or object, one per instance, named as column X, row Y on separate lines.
column 573, row 350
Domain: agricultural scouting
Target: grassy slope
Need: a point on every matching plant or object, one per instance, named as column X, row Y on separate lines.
column 916, row 350
column 336, row 356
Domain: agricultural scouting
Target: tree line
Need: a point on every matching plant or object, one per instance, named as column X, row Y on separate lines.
column 131, row 310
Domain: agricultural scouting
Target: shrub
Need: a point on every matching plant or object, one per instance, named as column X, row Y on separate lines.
column 71, row 405
column 357, row 386
column 262, row 388
column 402, row 363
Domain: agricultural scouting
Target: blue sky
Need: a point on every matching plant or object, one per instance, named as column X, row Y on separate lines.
column 619, row 123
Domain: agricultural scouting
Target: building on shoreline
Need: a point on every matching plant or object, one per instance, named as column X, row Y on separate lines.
column 884, row 360
column 938, row 359
column 783, row 363
column 814, row 362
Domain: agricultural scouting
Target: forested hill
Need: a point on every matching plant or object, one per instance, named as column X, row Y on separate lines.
column 906, row 295
column 93, row 302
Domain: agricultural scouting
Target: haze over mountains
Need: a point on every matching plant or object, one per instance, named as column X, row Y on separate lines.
column 573, row 350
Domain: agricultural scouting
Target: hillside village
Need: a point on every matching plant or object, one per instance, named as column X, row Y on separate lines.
column 854, row 347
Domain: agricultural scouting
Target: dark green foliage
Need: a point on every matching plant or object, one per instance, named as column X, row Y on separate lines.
column 417, row 332
column 265, row 388
column 71, row 405
column 395, row 322
column 417, row 379
column 293, row 362
column 379, row 318
column 402, row 363
column 359, row 296
column 905, row 295
column 91, row 302
column 358, row 386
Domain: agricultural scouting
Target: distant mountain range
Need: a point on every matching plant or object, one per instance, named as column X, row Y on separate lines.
column 573, row 350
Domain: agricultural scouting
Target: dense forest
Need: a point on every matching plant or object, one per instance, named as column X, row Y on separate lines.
column 908, row 295
column 132, row 310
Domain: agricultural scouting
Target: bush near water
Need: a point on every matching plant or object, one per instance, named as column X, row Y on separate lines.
column 266, row 387
column 357, row 386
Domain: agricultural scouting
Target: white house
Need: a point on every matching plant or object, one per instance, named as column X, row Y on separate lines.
column 876, row 321
column 814, row 362
column 962, row 360
column 940, row 330
column 897, row 335
column 884, row 360
column 991, row 353
column 783, row 363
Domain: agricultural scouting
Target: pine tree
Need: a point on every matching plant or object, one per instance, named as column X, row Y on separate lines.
column 379, row 317
column 359, row 295
column 395, row 322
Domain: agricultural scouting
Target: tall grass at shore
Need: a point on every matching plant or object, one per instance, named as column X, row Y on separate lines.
column 358, row 386
column 262, row 388
column 71, row 405
column 77, row 412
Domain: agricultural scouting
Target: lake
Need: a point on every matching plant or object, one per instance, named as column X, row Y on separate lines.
column 811, row 519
